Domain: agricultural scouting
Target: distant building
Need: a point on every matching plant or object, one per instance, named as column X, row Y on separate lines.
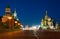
column 46, row 22
column 57, row 25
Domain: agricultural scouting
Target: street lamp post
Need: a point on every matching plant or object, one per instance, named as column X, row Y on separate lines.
column 19, row 25
column 16, row 23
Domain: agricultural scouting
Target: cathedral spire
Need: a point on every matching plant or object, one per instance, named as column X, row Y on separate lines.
column 46, row 16
column 46, row 13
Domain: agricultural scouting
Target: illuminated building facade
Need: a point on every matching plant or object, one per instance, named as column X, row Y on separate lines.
column 57, row 25
column 47, row 22
column 10, row 20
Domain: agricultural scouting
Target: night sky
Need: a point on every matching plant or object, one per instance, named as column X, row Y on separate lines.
column 32, row 11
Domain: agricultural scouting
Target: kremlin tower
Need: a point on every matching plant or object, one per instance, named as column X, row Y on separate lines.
column 7, row 10
column 15, row 15
column 10, row 20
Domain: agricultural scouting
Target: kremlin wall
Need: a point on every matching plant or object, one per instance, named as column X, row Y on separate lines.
column 9, row 20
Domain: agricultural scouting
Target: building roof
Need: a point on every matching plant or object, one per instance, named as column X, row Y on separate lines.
column 7, row 6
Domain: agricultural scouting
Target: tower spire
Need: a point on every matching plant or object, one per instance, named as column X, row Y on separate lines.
column 46, row 16
column 7, row 10
column 8, row 6
column 15, row 15
column 46, row 13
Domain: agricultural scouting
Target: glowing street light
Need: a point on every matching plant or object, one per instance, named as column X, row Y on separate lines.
column 9, row 18
column 16, row 22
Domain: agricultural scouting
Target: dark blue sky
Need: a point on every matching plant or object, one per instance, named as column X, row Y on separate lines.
column 32, row 11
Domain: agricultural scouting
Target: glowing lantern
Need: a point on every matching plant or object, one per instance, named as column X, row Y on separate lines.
column 9, row 18
column 16, row 22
